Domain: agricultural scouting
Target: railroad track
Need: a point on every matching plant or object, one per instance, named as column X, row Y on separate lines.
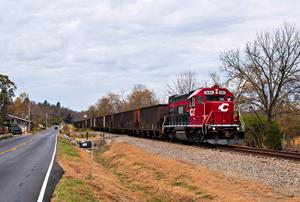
column 262, row 152
column 237, row 148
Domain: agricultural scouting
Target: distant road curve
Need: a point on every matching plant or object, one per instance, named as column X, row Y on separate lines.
column 24, row 162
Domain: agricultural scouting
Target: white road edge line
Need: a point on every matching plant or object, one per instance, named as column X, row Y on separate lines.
column 43, row 189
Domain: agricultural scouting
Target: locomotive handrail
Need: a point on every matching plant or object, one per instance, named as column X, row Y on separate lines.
column 204, row 129
column 163, row 125
column 208, row 117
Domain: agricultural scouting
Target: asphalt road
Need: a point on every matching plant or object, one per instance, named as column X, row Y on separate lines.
column 24, row 162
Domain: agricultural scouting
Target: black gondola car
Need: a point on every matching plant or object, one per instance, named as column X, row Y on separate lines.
column 108, row 123
column 117, row 123
column 151, row 118
column 128, row 121
column 99, row 123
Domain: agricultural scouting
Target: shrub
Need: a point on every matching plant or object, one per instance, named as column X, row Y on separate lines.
column 254, row 131
column 260, row 133
column 67, row 129
column 273, row 136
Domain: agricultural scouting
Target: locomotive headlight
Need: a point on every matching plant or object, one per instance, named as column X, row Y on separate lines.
column 214, row 128
column 238, row 128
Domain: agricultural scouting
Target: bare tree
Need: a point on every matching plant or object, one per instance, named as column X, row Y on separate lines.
column 237, row 87
column 268, row 69
column 116, row 103
column 215, row 78
column 111, row 103
column 92, row 111
column 140, row 96
column 184, row 83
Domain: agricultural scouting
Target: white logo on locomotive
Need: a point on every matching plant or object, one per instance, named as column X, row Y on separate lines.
column 224, row 107
column 192, row 112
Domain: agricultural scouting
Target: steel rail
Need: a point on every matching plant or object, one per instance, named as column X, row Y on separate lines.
column 262, row 152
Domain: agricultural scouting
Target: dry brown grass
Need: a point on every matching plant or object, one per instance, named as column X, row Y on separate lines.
column 161, row 179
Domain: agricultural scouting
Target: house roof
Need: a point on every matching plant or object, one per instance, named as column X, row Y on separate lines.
column 16, row 117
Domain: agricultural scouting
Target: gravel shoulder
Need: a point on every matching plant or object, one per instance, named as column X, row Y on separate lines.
column 282, row 175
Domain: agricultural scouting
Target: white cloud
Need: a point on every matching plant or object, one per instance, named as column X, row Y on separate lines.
column 74, row 51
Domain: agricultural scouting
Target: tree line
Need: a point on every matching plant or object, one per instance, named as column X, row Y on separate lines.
column 139, row 96
column 39, row 113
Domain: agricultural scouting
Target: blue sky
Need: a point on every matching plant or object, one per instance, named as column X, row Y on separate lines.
column 76, row 51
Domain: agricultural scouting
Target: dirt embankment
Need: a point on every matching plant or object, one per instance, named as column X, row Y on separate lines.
column 76, row 184
column 122, row 172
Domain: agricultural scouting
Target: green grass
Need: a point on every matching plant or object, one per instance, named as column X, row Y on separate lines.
column 178, row 184
column 107, row 163
column 192, row 188
column 136, row 187
column 6, row 136
column 71, row 189
column 207, row 196
column 158, row 175
column 184, row 185
column 159, row 199
column 65, row 149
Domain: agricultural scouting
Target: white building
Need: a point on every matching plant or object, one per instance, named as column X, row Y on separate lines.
column 24, row 124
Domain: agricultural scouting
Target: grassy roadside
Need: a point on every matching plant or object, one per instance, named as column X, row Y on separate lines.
column 141, row 180
column 71, row 188
column 6, row 136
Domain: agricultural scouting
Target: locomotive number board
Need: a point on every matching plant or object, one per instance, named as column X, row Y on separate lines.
column 222, row 92
column 209, row 92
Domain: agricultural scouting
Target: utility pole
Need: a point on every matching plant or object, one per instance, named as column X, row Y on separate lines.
column 2, row 93
column 1, row 104
column 90, row 176
column 46, row 120
column 29, row 124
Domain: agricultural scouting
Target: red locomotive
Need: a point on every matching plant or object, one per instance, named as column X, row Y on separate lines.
column 203, row 115
column 206, row 114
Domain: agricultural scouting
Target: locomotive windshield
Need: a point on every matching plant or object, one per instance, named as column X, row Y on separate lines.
column 215, row 98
